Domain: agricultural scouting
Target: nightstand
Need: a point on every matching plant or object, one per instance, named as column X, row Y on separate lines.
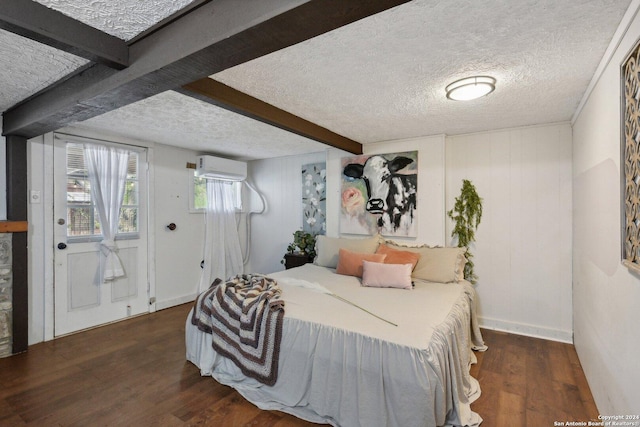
column 296, row 260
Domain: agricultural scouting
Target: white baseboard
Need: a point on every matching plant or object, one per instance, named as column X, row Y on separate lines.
column 527, row 330
column 175, row 301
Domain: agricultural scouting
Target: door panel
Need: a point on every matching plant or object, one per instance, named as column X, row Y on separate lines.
column 126, row 288
column 83, row 282
column 81, row 300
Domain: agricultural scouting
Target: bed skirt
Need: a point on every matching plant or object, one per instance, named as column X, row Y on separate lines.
column 336, row 376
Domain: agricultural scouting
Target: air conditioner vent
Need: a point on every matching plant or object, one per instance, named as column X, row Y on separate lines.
column 211, row 167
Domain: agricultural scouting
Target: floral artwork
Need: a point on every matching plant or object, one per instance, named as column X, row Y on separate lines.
column 379, row 194
column 314, row 187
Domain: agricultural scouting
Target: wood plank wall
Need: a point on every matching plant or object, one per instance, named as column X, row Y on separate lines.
column 523, row 248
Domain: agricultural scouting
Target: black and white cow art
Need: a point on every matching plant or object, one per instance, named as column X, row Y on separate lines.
column 390, row 194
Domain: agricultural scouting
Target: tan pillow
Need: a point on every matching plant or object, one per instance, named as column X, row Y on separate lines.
column 437, row 264
column 327, row 248
column 350, row 263
column 395, row 256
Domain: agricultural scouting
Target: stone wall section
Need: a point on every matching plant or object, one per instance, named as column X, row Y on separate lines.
column 6, row 306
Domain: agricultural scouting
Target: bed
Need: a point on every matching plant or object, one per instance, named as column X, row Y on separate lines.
column 343, row 366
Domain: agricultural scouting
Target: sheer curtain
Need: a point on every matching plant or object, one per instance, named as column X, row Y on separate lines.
column 107, row 169
column 222, row 253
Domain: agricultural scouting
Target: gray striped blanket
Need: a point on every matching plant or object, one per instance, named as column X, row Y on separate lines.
column 244, row 317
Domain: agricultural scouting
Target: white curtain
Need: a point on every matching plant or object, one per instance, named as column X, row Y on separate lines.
column 107, row 169
column 222, row 253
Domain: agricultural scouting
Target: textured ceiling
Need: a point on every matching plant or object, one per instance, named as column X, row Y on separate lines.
column 121, row 18
column 26, row 67
column 381, row 78
column 174, row 119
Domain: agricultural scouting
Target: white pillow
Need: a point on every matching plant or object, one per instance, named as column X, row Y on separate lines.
column 328, row 248
column 437, row 264
column 380, row 275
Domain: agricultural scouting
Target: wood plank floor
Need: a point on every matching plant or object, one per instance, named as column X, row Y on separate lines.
column 134, row 373
column 530, row 382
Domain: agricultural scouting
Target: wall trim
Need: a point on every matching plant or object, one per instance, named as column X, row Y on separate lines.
column 151, row 227
column 526, row 330
column 189, row 298
column 47, row 251
column 14, row 226
column 621, row 31
column 402, row 140
column 509, row 129
column 80, row 134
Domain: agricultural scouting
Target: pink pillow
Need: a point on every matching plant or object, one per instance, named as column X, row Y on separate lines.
column 350, row 263
column 379, row 275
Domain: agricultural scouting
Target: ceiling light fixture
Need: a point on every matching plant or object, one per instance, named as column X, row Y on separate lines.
column 470, row 88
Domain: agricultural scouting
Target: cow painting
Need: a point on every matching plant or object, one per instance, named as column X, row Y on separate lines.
column 389, row 184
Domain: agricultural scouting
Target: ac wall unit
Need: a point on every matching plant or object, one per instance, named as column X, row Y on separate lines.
column 212, row 167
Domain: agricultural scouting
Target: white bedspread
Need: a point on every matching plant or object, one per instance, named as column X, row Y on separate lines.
column 341, row 366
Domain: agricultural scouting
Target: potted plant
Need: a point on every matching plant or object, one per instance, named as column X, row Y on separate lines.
column 466, row 214
column 303, row 244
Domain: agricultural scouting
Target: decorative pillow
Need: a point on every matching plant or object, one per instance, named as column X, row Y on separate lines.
column 382, row 275
column 395, row 256
column 437, row 264
column 327, row 248
column 350, row 263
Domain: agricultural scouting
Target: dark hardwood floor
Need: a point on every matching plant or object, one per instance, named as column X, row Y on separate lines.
column 530, row 382
column 134, row 373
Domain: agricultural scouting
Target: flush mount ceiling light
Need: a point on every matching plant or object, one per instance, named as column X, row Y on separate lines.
column 470, row 88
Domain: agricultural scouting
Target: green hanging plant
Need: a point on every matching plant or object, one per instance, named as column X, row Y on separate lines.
column 466, row 213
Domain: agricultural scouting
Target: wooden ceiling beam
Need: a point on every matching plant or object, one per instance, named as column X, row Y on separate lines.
column 47, row 26
column 216, row 36
column 223, row 96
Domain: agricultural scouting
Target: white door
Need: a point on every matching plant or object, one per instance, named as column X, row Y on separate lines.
column 81, row 299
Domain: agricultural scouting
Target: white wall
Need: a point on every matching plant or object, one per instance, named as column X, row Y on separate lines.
column 606, row 296
column 523, row 251
column 280, row 182
column 177, row 253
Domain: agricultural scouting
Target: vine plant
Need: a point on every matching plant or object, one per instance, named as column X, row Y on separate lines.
column 466, row 214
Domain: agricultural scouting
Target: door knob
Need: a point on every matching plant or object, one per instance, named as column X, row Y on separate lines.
column 62, row 246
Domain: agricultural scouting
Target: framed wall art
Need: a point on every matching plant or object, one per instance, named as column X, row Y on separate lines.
column 379, row 194
column 630, row 159
column 314, row 198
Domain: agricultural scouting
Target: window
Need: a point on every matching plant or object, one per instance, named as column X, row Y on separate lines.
column 198, row 193
column 82, row 216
